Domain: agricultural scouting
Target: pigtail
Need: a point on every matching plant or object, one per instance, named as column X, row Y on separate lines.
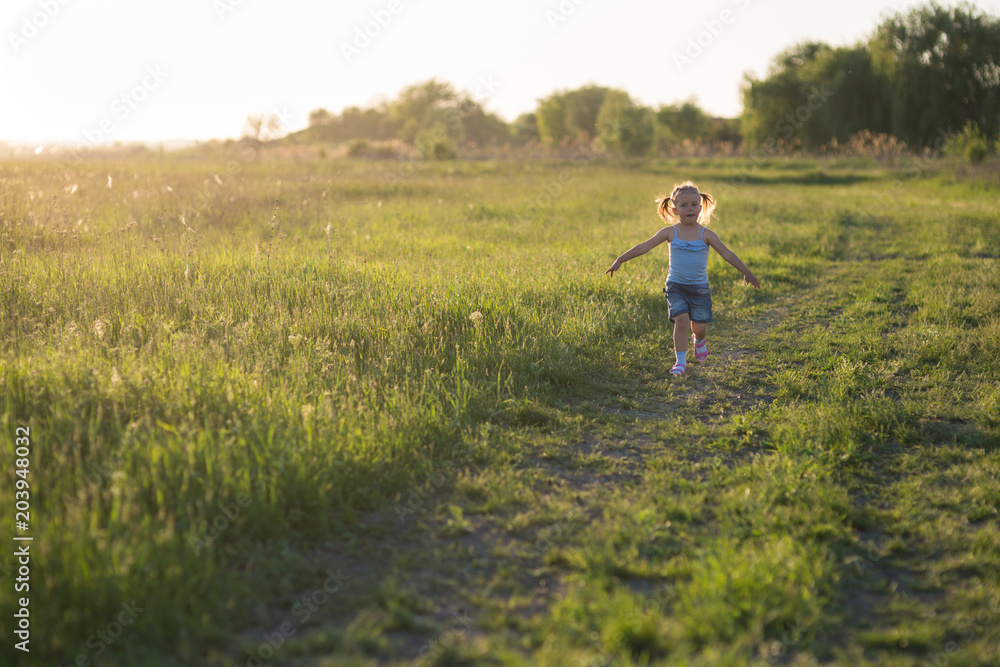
column 707, row 206
column 663, row 209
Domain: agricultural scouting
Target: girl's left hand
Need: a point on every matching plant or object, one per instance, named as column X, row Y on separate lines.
column 751, row 279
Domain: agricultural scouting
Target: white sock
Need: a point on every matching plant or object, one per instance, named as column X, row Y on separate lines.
column 682, row 357
column 699, row 343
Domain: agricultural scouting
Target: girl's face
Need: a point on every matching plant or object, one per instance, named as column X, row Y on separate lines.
column 687, row 205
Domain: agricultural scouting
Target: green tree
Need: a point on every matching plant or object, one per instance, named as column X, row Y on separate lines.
column 725, row 130
column 570, row 114
column 942, row 69
column 419, row 106
column 320, row 117
column 372, row 123
column 844, row 96
column 525, row 129
column 624, row 126
column 684, row 121
column 480, row 126
column 551, row 120
column 582, row 106
column 770, row 105
column 431, row 115
column 352, row 123
column 437, row 142
column 814, row 94
column 921, row 75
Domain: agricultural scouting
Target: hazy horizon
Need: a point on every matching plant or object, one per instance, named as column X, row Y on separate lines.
column 108, row 71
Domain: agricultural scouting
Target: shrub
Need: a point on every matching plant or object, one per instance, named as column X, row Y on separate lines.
column 443, row 150
column 969, row 145
column 435, row 143
column 357, row 148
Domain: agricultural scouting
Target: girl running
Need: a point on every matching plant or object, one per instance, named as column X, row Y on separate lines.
column 687, row 289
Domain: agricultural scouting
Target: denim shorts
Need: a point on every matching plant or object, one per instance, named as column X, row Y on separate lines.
column 695, row 300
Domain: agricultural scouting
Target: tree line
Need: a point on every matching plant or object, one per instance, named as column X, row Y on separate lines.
column 923, row 77
column 434, row 116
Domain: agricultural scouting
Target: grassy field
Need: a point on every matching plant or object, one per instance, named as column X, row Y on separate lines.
column 351, row 413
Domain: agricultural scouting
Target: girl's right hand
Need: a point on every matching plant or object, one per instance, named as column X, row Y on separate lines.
column 614, row 267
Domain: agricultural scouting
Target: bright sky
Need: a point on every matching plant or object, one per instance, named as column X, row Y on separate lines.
column 139, row 70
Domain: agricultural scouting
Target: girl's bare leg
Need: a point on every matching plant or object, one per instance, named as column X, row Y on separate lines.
column 681, row 324
column 699, row 329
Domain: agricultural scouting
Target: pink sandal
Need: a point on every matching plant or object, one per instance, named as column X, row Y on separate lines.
column 678, row 369
column 700, row 351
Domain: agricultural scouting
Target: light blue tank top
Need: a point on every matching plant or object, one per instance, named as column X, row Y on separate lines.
column 688, row 260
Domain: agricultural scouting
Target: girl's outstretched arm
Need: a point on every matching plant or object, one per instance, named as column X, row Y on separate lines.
column 712, row 239
column 665, row 234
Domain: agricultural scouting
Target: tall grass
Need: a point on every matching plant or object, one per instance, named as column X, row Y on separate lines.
column 305, row 341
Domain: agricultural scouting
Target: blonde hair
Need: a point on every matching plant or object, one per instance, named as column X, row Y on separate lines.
column 664, row 204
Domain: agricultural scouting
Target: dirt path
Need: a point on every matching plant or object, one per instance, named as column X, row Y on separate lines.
column 448, row 577
column 429, row 583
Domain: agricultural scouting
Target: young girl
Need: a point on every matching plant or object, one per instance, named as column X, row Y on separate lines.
column 687, row 288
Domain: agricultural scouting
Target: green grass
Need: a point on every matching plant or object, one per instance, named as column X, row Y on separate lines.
column 412, row 419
